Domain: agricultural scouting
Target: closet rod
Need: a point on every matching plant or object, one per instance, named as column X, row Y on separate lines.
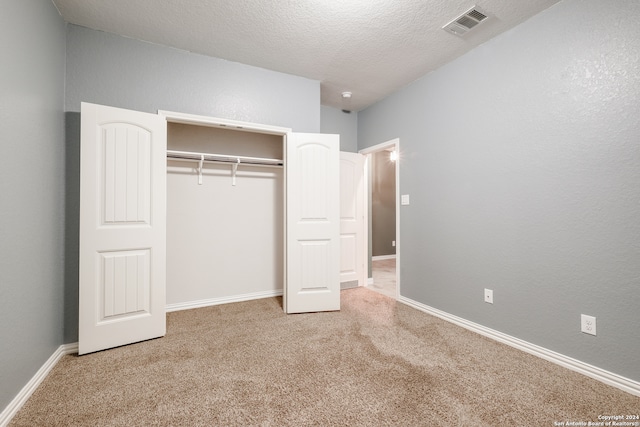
column 224, row 158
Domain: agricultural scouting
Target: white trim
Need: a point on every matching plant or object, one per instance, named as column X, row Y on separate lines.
column 10, row 411
column 615, row 380
column 369, row 281
column 383, row 257
column 175, row 117
column 382, row 146
column 222, row 300
column 398, row 239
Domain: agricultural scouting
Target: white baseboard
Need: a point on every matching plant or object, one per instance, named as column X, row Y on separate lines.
column 609, row 378
column 382, row 257
column 369, row 281
column 222, row 300
column 10, row 411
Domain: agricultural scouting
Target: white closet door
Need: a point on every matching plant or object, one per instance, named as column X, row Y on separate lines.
column 122, row 227
column 313, row 223
column 352, row 250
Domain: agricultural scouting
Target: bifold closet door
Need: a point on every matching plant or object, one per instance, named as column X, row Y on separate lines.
column 313, row 223
column 122, row 227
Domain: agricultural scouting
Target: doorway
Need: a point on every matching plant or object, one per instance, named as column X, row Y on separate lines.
column 383, row 242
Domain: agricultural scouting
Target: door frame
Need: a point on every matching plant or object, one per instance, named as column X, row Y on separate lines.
column 217, row 122
column 384, row 146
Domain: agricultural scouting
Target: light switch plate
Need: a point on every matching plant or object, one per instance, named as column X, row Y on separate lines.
column 404, row 199
column 488, row 296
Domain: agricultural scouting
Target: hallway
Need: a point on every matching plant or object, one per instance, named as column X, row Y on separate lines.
column 384, row 277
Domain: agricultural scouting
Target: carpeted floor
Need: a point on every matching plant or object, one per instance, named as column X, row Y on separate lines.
column 375, row 363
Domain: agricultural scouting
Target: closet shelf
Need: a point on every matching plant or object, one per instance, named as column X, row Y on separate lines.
column 222, row 158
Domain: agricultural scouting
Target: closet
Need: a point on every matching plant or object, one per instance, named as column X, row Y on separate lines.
column 225, row 215
column 181, row 211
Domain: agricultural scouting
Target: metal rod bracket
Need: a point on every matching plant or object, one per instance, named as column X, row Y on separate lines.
column 234, row 170
column 200, row 169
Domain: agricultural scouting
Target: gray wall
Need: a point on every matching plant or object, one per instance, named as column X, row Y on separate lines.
column 383, row 204
column 333, row 120
column 32, row 47
column 107, row 69
column 522, row 160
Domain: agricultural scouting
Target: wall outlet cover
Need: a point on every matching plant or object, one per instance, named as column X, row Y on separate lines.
column 588, row 324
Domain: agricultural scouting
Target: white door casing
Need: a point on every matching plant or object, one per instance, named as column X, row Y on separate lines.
column 122, row 227
column 313, row 223
column 352, row 254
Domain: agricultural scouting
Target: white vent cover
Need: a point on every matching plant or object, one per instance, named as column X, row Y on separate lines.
column 467, row 21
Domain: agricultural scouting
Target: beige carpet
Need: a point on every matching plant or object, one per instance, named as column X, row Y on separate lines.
column 375, row 363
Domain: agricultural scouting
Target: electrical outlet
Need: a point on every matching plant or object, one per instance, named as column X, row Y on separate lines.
column 393, row 243
column 488, row 296
column 588, row 324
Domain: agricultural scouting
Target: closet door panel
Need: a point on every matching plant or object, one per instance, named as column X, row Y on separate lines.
column 122, row 227
column 124, row 173
column 313, row 223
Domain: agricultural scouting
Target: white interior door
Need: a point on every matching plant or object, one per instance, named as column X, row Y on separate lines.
column 312, row 223
column 122, row 227
column 352, row 251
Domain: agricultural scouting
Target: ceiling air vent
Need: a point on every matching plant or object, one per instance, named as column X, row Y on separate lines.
column 465, row 22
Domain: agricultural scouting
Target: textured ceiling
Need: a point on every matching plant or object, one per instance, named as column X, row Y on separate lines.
column 368, row 47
